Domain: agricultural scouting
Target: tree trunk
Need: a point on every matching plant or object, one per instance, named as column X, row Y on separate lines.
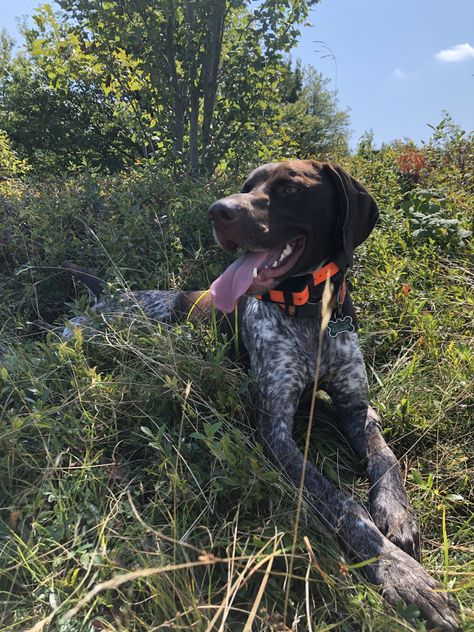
column 190, row 15
column 209, row 75
column 177, row 98
column 194, row 129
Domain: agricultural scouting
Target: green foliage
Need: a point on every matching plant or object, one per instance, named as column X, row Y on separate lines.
column 313, row 122
column 377, row 167
column 140, row 229
column 188, row 83
column 109, row 85
column 428, row 221
column 195, row 86
column 58, row 129
column 10, row 165
column 292, row 82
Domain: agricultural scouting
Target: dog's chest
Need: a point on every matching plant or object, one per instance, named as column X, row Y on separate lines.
column 286, row 347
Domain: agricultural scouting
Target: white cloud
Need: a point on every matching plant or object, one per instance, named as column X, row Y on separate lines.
column 398, row 73
column 401, row 75
column 460, row 52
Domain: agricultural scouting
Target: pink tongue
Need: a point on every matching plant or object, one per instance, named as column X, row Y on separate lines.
column 238, row 277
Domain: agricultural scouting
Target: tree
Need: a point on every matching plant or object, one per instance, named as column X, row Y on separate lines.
column 313, row 122
column 292, row 81
column 192, row 80
column 58, row 128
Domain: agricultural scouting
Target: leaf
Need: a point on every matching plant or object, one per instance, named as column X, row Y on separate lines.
column 408, row 612
column 146, row 431
column 198, row 435
column 211, row 429
column 17, row 422
column 417, row 477
column 455, row 498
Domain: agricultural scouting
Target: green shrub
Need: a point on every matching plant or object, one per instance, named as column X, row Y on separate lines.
column 10, row 165
column 139, row 229
column 428, row 222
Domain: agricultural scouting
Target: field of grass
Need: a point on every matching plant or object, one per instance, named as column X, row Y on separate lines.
column 133, row 494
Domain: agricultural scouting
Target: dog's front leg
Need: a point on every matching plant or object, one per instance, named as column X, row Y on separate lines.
column 389, row 505
column 276, row 398
column 399, row 575
column 388, row 501
column 283, row 358
column 282, row 361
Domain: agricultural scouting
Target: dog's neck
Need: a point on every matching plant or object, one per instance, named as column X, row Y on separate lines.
column 301, row 295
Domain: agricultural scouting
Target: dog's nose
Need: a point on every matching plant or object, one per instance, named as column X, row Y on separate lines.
column 223, row 212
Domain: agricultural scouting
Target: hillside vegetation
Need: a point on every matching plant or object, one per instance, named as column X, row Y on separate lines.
column 131, row 451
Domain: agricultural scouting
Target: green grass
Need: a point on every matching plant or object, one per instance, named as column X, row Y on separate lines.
column 132, row 451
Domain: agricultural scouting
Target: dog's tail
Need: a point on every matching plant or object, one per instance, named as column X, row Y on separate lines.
column 94, row 284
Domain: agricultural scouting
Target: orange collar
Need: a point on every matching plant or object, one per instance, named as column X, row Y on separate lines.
column 300, row 296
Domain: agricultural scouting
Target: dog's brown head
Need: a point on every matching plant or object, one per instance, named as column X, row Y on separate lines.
column 289, row 218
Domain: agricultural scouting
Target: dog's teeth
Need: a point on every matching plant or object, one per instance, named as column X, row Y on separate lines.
column 254, row 273
column 286, row 252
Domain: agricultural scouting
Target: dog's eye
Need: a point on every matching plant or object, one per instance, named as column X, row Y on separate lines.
column 290, row 188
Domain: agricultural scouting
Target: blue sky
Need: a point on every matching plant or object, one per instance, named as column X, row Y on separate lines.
column 391, row 71
column 387, row 69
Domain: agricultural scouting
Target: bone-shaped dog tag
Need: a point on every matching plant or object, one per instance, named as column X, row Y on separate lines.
column 338, row 326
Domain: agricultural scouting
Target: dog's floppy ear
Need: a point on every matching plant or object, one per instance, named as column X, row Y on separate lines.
column 358, row 213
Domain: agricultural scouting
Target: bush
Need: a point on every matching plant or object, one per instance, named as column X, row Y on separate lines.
column 428, row 222
column 139, row 229
column 10, row 165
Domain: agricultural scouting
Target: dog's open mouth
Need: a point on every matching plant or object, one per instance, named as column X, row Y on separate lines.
column 254, row 273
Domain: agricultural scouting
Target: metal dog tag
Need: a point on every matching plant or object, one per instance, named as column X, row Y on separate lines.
column 336, row 327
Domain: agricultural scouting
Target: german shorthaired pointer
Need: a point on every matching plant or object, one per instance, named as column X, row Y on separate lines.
column 298, row 223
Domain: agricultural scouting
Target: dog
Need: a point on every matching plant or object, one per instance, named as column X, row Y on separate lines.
column 298, row 224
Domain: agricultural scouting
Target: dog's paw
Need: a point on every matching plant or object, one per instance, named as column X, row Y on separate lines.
column 394, row 517
column 403, row 579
